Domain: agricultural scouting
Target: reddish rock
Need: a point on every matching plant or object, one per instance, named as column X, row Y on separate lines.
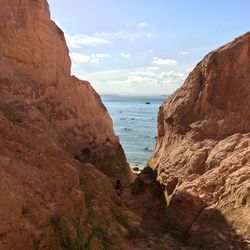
column 36, row 83
column 204, row 140
column 183, row 210
column 48, row 118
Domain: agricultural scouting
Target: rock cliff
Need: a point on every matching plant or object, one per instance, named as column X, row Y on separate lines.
column 59, row 154
column 55, row 136
column 202, row 153
column 37, row 86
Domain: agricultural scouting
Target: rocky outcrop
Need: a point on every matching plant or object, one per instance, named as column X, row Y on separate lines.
column 204, row 143
column 36, row 84
column 55, row 136
column 146, row 198
column 59, row 154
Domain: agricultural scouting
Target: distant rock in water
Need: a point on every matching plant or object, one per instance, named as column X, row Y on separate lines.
column 204, row 141
column 136, row 169
column 147, row 102
column 127, row 129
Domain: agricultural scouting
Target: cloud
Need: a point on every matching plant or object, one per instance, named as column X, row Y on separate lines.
column 184, row 53
column 127, row 35
column 77, row 57
column 101, row 55
column 143, row 73
column 77, row 40
column 172, row 77
column 94, row 60
column 103, row 38
column 125, row 55
column 153, row 68
column 149, row 82
column 82, row 58
column 149, row 35
column 161, row 61
column 136, row 25
column 130, row 32
column 136, row 73
column 142, row 24
column 141, row 80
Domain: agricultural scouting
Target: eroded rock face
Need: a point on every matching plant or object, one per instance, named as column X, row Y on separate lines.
column 48, row 199
column 36, row 83
column 204, row 139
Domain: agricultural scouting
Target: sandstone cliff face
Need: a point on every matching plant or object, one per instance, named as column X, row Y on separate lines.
column 48, row 199
column 203, row 148
column 36, row 83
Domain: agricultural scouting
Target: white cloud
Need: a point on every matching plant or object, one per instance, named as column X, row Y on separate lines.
column 94, row 60
column 172, row 77
column 153, row 68
column 101, row 55
column 161, row 61
column 142, row 24
column 143, row 73
column 136, row 25
column 125, row 55
column 149, row 82
column 77, row 40
column 128, row 35
column 82, row 58
column 184, row 53
column 131, row 32
column 77, row 57
column 142, row 80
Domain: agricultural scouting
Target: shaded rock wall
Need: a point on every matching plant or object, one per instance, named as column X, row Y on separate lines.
column 204, row 141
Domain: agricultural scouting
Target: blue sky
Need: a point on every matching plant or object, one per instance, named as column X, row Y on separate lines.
column 144, row 46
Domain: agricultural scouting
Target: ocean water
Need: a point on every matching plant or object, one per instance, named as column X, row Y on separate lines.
column 135, row 122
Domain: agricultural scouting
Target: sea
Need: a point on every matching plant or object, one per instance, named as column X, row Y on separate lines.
column 135, row 122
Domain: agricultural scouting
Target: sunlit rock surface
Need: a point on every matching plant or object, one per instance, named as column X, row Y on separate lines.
column 51, row 126
column 204, row 143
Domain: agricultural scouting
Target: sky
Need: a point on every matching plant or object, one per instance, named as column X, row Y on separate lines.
column 145, row 47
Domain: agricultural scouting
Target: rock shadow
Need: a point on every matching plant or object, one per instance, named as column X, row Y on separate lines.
column 190, row 219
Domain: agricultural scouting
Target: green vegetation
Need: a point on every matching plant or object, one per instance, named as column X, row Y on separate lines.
column 55, row 221
column 79, row 241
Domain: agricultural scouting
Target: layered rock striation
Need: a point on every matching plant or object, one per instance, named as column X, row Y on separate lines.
column 203, row 149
